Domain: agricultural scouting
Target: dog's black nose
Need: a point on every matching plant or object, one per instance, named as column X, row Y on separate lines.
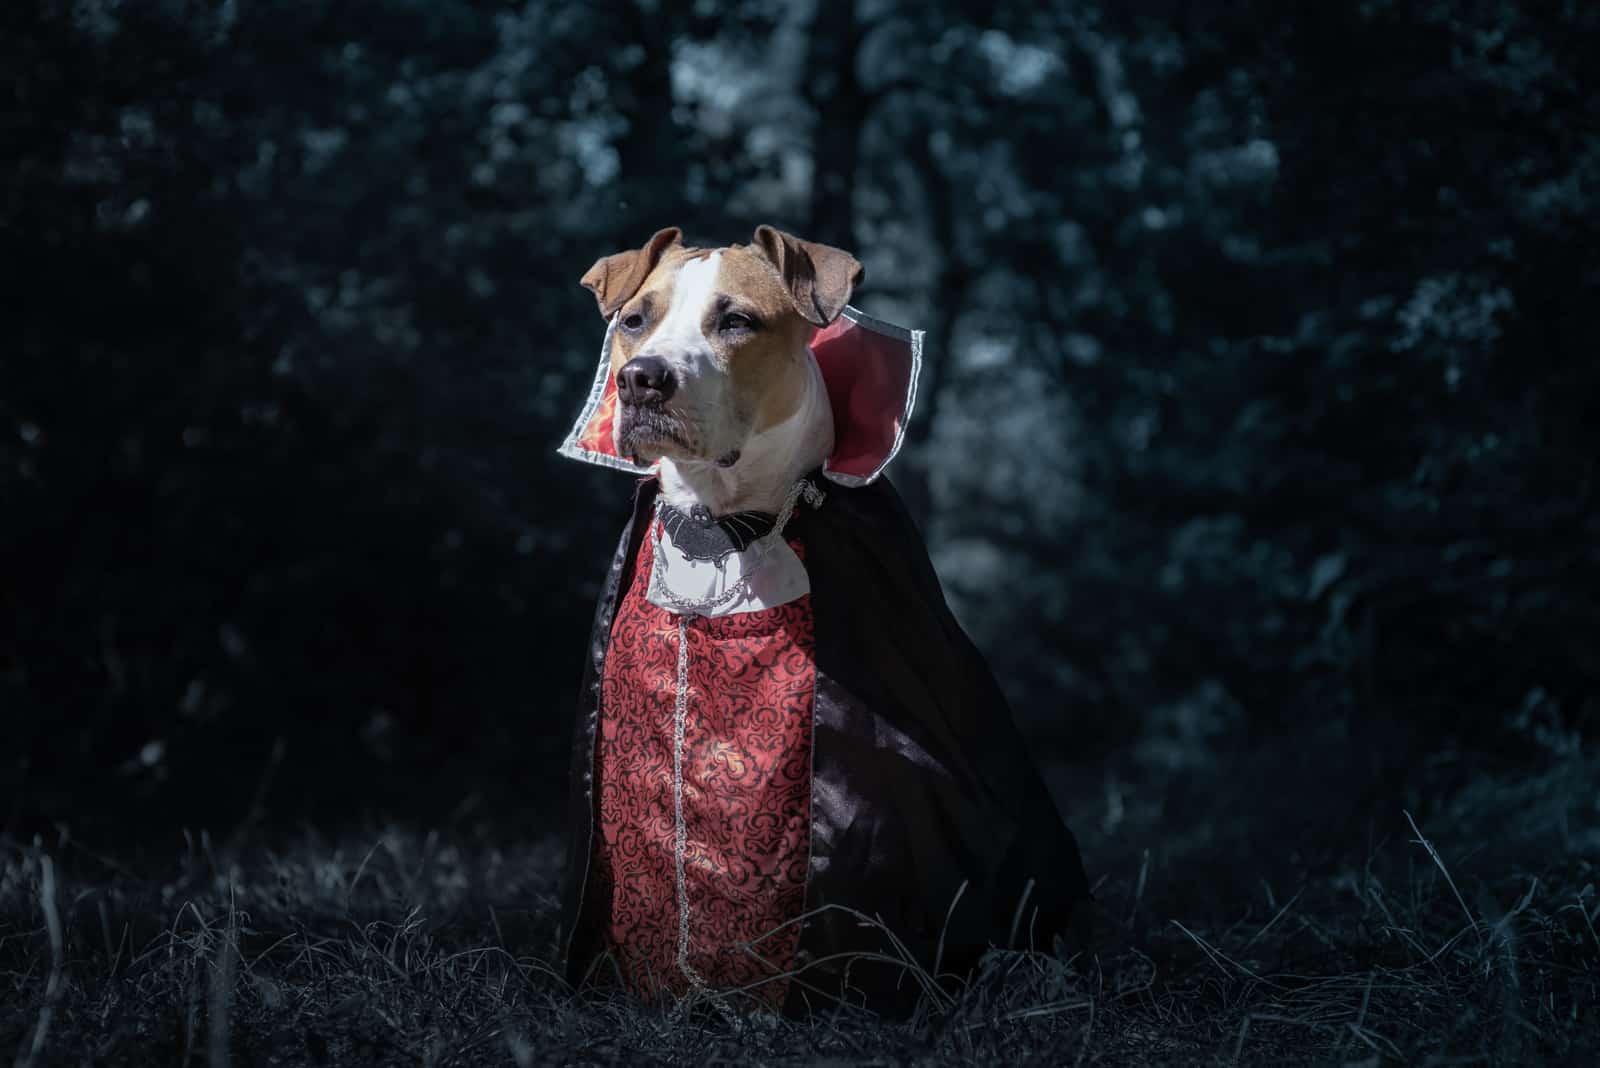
column 645, row 380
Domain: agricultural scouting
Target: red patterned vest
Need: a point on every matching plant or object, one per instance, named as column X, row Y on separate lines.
column 746, row 794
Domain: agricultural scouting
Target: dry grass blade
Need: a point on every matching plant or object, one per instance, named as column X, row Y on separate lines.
column 1088, row 1032
column 1583, row 910
column 1048, row 1010
column 1219, row 958
column 1422, row 840
column 34, row 1046
column 1011, row 935
column 938, row 956
column 1244, row 1030
column 1361, row 1014
column 224, row 973
column 1138, row 892
column 1287, row 905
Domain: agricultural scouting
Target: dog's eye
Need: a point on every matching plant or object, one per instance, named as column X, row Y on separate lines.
column 733, row 322
column 632, row 322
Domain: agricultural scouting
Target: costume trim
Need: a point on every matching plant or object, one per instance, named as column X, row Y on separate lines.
column 880, row 326
column 571, row 447
column 680, row 840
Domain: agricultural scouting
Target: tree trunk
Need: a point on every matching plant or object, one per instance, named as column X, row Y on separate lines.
column 652, row 146
column 949, row 295
column 840, row 108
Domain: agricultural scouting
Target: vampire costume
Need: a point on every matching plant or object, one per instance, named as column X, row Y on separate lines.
column 788, row 792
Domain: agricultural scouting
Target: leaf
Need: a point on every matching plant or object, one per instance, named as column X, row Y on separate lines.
column 1327, row 570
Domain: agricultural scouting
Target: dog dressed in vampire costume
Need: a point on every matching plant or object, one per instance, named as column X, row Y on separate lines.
column 792, row 769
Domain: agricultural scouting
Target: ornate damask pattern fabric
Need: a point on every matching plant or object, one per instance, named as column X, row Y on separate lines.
column 746, row 792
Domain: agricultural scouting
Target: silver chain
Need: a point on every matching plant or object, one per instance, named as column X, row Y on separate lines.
column 693, row 606
column 680, row 842
column 683, row 608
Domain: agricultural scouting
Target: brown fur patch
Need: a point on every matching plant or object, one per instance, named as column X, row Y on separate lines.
column 765, row 366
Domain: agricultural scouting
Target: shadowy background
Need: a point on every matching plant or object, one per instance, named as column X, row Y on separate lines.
column 1259, row 422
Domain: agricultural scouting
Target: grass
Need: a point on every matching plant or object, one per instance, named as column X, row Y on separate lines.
column 1462, row 933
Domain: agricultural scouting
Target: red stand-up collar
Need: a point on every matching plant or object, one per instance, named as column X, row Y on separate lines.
column 870, row 370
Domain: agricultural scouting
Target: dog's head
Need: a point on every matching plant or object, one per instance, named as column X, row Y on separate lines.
column 710, row 344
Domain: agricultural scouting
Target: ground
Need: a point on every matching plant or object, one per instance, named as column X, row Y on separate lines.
column 1460, row 929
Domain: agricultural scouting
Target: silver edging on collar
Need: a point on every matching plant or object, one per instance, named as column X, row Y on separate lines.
column 879, row 326
column 570, row 447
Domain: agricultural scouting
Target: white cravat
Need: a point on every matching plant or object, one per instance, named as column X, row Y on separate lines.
column 775, row 580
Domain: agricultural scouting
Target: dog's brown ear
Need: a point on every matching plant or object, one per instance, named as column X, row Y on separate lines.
column 820, row 277
column 615, row 279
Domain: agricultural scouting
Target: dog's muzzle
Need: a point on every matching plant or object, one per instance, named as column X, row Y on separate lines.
column 644, row 385
column 645, row 381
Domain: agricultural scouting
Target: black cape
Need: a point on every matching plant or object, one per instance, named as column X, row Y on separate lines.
column 920, row 780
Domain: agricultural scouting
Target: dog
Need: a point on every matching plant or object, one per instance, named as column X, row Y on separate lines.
column 794, row 777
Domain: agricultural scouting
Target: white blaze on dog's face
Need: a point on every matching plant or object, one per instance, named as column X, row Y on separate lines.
column 710, row 344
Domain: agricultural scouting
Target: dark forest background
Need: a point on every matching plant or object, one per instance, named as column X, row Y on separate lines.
column 1260, row 422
